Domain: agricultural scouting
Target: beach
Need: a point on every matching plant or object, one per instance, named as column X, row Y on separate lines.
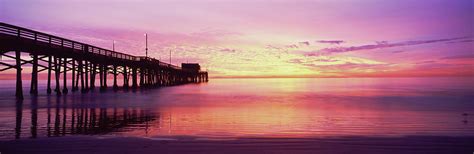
column 88, row 144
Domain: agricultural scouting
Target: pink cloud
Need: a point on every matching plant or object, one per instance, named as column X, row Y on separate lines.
column 380, row 45
column 337, row 42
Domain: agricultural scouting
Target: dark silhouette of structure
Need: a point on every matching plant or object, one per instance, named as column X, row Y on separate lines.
column 62, row 121
column 191, row 66
column 84, row 62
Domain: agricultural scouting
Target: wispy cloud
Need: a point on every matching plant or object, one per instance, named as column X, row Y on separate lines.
column 459, row 57
column 384, row 44
column 227, row 50
column 293, row 46
column 330, row 60
column 337, row 42
column 426, row 62
column 462, row 41
column 214, row 33
column 305, row 43
column 398, row 51
column 273, row 47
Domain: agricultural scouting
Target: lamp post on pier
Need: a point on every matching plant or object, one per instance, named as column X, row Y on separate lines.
column 115, row 67
column 146, row 45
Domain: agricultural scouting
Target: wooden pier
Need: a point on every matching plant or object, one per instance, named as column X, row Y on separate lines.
column 83, row 63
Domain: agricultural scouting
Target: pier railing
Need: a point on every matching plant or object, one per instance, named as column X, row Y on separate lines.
column 36, row 36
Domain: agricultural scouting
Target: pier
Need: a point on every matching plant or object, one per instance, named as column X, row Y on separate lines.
column 64, row 59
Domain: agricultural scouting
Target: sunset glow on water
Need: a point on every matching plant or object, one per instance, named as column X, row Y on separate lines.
column 230, row 108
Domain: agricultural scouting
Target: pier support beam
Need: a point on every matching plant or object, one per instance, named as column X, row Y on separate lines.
column 125, row 77
column 86, row 74
column 49, row 75
column 101, row 77
column 134, row 77
column 73, row 75
column 149, row 77
column 115, row 77
column 106, row 69
column 34, row 76
column 158, row 80
column 93, row 74
column 81, row 71
column 142, row 75
column 77, row 76
column 57, row 67
column 19, row 85
column 65, row 77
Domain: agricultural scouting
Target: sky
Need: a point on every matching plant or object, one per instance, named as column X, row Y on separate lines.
column 271, row 38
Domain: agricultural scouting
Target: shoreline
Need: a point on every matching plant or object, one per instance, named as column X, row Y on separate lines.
column 189, row 144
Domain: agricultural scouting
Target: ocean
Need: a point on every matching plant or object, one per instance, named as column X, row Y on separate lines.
column 235, row 108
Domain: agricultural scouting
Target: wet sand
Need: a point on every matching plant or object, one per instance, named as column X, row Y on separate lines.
column 117, row 145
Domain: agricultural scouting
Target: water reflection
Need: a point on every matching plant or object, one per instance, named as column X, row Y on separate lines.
column 60, row 120
column 19, row 115
column 236, row 108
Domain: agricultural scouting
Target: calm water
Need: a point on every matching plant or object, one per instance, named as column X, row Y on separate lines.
column 227, row 108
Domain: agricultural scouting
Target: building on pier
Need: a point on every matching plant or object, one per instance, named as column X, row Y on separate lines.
column 195, row 68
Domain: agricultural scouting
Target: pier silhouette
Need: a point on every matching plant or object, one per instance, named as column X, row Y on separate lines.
column 84, row 62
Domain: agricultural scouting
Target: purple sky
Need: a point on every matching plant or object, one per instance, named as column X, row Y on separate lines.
column 271, row 38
